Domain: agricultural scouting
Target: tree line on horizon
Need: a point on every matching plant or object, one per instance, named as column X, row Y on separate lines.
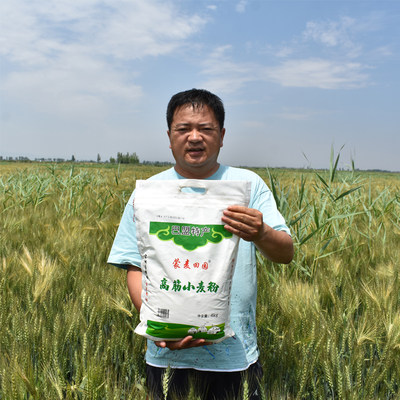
column 121, row 158
column 132, row 158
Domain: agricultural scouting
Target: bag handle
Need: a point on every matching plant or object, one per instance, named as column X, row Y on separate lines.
column 193, row 184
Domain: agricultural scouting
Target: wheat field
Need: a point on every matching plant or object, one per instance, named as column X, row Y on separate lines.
column 328, row 323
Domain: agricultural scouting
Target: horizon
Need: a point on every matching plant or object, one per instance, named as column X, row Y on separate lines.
column 54, row 160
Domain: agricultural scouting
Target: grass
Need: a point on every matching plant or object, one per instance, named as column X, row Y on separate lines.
column 328, row 323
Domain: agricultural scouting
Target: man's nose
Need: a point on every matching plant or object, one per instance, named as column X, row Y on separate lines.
column 194, row 135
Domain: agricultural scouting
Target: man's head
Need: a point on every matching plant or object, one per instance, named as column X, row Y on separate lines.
column 197, row 98
column 195, row 130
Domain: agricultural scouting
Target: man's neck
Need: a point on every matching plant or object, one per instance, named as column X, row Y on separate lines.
column 197, row 174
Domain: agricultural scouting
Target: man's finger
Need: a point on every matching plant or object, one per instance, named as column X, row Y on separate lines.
column 243, row 210
column 185, row 343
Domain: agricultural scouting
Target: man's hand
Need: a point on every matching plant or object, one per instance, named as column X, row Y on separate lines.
column 185, row 343
column 247, row 223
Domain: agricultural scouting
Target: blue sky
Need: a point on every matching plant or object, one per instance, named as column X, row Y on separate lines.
column 296, row 77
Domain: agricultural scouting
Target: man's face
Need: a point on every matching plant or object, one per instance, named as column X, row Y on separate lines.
column 195, row 139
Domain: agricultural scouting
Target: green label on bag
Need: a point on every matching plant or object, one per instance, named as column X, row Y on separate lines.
column 189, row 236
column 168, row 330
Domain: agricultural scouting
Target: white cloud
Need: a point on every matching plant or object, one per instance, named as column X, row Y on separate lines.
column 336, row 69
column 241, row 6
column 147, row 28
column 70, row 58
column 227, row 76
column 383, row 51
column 37, row 31
column 284, row 52
column 332, row 33
column 318, row 73
column 343, row 34
column 74, row 86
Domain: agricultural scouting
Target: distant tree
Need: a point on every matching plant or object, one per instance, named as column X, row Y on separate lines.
column 157, row 163
column 73, row 158
column 98, row 158
column 127, row 158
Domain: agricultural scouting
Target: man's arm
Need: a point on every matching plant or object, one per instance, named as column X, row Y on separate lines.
column 134, row 281
column 247, row 223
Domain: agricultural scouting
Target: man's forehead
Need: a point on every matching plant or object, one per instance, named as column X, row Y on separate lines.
column 195, row 108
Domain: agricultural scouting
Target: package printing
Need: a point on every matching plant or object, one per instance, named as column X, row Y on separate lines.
column 188, row 258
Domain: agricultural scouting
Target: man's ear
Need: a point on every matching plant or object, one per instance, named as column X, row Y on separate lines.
column 169, row 137
column 222, row 136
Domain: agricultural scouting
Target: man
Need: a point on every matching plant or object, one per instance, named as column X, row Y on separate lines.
column 196, row 132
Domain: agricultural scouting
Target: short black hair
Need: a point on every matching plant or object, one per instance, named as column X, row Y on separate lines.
column 197, row 98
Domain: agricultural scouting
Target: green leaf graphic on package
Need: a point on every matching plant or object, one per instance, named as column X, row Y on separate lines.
column 168, row 330
column 189, row 236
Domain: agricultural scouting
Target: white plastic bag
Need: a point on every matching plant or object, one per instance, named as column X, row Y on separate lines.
column 188, row 258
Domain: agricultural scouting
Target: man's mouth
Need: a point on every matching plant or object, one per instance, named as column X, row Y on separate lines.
column 195, row 151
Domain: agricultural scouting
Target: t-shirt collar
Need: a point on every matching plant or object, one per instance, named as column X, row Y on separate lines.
column 215, row 176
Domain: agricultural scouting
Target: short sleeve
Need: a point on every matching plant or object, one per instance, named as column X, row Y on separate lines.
column 124, row 251
column 263, row 200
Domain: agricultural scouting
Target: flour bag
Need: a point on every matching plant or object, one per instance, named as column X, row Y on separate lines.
column 188, row 258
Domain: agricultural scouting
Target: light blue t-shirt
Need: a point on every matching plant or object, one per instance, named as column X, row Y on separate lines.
column 235, row 353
